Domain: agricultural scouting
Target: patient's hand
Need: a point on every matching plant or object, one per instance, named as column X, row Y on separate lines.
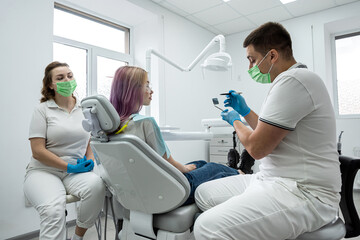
column 190, row 167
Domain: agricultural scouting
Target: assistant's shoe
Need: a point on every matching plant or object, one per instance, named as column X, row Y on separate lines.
column 246, row 162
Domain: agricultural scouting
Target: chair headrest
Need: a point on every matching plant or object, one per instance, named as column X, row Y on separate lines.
column 100, row 116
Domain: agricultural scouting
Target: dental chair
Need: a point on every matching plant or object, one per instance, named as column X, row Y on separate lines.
column 150, row 189
column 337, row 230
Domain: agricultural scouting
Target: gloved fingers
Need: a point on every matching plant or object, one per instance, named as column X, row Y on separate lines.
column 234, row 94
column 229, row 94
column 234, row 113
column 80, row 160
column 89, row 166
column 85, row 166
column 224, row 114
column 86, row 163
column 227, row 101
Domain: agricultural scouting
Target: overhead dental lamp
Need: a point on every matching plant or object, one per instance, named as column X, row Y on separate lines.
column 220, row 61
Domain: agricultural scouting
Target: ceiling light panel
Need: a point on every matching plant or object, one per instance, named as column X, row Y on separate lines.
column 287, row 1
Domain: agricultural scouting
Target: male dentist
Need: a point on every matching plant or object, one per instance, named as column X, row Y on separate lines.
column 297, row 187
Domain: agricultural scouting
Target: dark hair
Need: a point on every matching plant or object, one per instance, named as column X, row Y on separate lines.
column 127, row 90
column 46, row 92
column 269, row 36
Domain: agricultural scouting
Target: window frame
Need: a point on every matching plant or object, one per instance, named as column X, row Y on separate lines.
column 94, row 51
column 334, row 37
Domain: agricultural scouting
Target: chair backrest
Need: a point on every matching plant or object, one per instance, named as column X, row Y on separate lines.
column 139, row 178
column 349, row 167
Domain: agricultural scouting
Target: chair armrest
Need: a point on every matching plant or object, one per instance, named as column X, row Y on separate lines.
column 349, row 167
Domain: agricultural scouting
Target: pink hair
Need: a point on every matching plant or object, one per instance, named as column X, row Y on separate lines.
column 127, row 90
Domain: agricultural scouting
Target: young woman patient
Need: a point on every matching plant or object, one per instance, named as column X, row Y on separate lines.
column 130, row 90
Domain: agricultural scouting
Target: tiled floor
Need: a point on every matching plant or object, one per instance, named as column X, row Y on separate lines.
column 92, row 234
column 110, row 233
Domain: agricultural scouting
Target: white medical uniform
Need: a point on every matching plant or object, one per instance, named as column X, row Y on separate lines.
column 46, row 187
column 297, row 187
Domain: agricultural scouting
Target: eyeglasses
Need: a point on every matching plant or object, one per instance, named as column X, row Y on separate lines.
column 149, row 86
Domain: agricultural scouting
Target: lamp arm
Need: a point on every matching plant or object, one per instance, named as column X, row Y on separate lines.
column 217, row 39
column 156, row 53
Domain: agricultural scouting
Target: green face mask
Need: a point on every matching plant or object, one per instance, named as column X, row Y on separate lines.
column 258, row 76
column 66, row 88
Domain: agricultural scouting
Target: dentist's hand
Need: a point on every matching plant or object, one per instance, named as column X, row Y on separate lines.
column 230, row 117
column 237, row 102
column 85, row 166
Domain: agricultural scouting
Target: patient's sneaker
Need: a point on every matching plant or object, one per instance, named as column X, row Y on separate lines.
column 246, row 162
column 233, row 158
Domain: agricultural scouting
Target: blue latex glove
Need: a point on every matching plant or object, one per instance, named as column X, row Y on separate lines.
column 85, row 166
column 237, row 102
column 230, row 117
column 81, row 160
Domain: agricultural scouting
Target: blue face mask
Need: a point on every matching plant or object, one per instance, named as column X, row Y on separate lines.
column 258, row 76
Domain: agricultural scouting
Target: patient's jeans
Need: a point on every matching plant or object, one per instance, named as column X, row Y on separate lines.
column 205, row 172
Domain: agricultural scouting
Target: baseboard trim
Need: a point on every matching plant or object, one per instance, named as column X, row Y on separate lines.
column 36, row 233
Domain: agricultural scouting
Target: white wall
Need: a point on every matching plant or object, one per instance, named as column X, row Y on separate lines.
column 26, row 48
column 184, row 96
column 310, row 35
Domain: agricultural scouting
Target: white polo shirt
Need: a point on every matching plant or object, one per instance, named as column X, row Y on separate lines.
column 63, row 131
column 298, row 101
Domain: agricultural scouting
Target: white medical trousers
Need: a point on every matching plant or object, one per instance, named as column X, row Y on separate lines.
column 46, row 190
column 248, row 207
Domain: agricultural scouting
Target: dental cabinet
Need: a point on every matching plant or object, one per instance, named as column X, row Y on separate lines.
column 220, row 145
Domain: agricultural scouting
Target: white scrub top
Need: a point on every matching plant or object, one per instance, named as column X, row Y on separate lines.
column 299, row 102
column 63, row 131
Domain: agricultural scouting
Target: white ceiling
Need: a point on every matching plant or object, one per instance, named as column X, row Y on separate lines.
column 240, row 15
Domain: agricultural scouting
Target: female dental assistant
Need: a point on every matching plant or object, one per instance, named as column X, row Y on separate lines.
column 61, row 161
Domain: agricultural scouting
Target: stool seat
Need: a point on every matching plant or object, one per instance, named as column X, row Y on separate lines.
column 71, row 198
column 331, row 231
column 177, row 220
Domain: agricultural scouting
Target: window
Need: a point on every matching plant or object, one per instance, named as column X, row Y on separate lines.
column 93, row 47
column 347, row 86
